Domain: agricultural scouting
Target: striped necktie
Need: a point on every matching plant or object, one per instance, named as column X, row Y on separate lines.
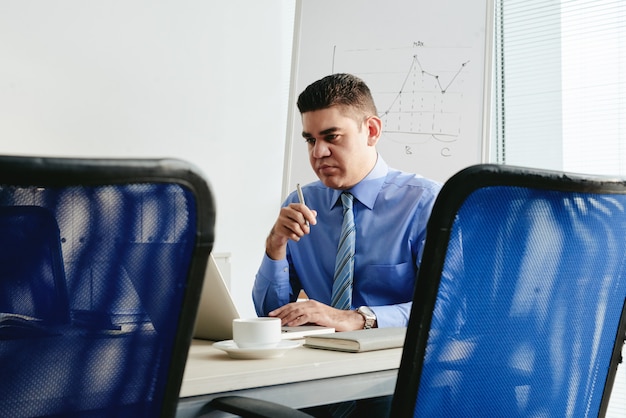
column 344, row 263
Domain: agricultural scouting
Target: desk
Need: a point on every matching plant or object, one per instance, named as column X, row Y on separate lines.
column 302, row 377
column 306, row 377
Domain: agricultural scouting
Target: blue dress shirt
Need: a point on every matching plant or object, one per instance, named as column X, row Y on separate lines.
column 391, row 212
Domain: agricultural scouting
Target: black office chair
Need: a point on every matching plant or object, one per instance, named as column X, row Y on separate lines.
column 519, row 305
column 102, row 266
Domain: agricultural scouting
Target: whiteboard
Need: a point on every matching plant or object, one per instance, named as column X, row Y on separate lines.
column 427, row 63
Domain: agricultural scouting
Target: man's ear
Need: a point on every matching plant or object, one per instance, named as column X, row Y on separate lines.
column 375, row 128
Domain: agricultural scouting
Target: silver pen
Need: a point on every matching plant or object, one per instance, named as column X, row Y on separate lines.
column 301, row 198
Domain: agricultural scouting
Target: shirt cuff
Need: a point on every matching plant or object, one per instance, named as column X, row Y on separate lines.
column 276, row 271
column 392, row 315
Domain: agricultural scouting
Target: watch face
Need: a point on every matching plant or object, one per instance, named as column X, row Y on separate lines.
column 367, row 312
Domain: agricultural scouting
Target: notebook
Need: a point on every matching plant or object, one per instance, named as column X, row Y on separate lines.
column 217, row 311
column 360, row 340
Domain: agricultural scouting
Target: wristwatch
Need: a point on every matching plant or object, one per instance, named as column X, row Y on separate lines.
column 369, row 315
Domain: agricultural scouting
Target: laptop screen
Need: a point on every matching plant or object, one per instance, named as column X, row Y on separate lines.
column 217, row 309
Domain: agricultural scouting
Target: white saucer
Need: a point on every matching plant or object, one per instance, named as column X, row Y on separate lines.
column 256, row 353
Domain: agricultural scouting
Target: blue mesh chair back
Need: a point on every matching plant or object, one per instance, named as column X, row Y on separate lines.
column 101, row 266
column 519, row 305
column 32, row 279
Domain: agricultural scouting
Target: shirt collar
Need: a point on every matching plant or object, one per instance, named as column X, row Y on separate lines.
column 367, row 189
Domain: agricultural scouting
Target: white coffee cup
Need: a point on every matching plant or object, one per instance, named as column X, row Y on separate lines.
column 260, row 332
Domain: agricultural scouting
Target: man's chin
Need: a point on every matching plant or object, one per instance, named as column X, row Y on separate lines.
column 332, row 182
column 327, row 181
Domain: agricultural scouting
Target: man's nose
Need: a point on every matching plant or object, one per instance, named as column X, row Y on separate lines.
column 320, row 149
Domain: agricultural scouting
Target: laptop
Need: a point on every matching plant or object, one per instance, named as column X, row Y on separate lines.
column 217, row 311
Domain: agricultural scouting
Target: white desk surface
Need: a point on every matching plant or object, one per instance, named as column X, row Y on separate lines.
column 302, row 377
column 305, row 377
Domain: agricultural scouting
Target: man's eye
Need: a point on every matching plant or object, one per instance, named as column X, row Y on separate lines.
column 310, row 141
column 330, row 138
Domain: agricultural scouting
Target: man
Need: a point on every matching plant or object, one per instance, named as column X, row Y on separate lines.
column 390, row 210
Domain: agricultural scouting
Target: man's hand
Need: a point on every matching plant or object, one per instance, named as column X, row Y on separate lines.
column 290, row 225
column 314, row 312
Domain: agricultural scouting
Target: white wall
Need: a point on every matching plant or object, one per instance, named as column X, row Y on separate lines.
column 200, row 80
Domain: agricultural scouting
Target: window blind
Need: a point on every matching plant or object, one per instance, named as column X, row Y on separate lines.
column 559, row 96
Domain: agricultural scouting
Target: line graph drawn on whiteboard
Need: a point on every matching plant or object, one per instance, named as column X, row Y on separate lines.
column 419, row 91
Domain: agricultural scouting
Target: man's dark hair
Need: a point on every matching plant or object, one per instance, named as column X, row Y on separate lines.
column 338, row 90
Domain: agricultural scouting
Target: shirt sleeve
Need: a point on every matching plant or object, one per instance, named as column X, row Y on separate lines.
column 392, row 315
column 271, row 288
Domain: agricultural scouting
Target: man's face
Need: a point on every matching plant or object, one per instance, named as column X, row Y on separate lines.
column 341, row 149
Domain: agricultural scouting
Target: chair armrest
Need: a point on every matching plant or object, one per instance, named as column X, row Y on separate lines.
column 255, row 408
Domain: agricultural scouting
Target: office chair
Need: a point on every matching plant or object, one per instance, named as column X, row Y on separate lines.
column 518, row 308
column 539, row 291
column 32, row 277
column 102, row 266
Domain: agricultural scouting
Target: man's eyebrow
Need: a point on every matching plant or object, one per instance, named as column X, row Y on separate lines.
column 324, row 132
